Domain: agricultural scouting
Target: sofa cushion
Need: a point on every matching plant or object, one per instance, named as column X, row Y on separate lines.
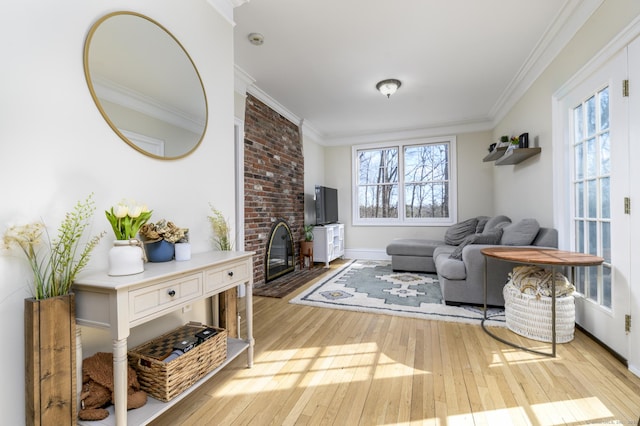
column 493, row 222
column 490, row 237
column 521, row 233
column 451, row 269
column 412, row 247
column 456, row 233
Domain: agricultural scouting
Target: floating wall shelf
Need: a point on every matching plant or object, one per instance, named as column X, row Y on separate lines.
column 495, row 154
column 517, row 155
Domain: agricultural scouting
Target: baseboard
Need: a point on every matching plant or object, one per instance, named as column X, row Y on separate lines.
column 616, row 355
column 368, row 254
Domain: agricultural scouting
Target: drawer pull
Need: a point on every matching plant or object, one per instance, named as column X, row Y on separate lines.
column 230, row 273
column 171, row 293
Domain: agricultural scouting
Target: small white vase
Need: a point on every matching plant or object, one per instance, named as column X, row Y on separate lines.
column 183, row 251
column 126, row 258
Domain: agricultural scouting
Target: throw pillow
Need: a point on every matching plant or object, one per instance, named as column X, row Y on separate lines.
column 455, row 234
column 495, row 221
column 520, row 234
column 489, row 238
column 482, row 221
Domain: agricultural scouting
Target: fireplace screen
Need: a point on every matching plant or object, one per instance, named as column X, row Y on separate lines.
column 280, row 253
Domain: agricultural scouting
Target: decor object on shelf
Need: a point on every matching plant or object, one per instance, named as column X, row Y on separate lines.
column 159, row 239
column 164, row 380
column 126, row 257
column 160, row 251
column 183, row 248
column 514, row 144
column 49, row 316
column 97, row 387
column 523, row 140
column 221, row 230
column 388, row 87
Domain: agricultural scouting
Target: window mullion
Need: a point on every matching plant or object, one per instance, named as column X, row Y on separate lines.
column 401, row 189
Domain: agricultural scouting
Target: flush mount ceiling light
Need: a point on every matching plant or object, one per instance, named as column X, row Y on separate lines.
column 256, row 38
column 388, row 87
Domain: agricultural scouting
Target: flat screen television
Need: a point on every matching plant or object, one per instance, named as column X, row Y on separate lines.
column 326, row 205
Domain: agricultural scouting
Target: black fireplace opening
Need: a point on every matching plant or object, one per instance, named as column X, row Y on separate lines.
column 280, row 257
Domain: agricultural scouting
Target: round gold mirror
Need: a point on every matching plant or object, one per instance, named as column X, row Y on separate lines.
column 145, row 85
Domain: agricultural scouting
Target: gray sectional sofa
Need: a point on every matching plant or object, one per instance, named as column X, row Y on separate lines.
column 458, row 261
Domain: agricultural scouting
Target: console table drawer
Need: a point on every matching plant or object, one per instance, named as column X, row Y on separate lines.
column 165, row 295
column 217, row 278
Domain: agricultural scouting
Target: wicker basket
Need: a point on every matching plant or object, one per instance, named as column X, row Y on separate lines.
column 165, row 380
column 530, row 316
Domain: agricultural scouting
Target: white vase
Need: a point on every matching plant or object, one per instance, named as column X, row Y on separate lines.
column 126, row 258
column 183, row 251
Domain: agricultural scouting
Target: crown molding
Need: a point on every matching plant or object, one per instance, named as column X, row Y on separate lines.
column 468, row 126
column 225, row 8
column 273, row 104
column 310, row 132
column 241, row 81
column 571, row 18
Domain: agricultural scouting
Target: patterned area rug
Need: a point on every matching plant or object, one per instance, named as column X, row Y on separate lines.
column 372, row 286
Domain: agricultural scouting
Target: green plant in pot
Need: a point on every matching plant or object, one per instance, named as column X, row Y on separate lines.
column 49, row 316
column 221, row 230
column 55, row 263
column 127, row 257
column 308, row 233
column 306, row 245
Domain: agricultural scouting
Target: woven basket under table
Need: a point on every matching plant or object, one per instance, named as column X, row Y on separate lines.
column 166, row 380
column 530, row 316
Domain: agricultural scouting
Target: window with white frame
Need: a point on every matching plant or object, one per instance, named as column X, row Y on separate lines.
column 592, row 200
column 405, row 183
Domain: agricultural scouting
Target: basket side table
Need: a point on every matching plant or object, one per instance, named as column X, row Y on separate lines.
column 541, row 257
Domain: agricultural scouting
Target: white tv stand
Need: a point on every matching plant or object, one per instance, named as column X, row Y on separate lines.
column 328, row 242
column 120, row 303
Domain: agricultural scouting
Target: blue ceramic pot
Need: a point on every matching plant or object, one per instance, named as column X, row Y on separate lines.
column 160, row 251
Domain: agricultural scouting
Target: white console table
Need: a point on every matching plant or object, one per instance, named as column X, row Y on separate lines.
column 120, row 303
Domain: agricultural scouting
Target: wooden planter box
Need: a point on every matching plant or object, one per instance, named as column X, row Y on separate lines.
column 50, row 361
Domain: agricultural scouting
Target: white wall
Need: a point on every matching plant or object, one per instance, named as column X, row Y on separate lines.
column 526, row 190
column 534, row 113
column 314, row 165
column 475, row 195
column 56, row 148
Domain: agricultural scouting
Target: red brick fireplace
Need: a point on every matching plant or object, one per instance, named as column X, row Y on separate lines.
column 273, row 180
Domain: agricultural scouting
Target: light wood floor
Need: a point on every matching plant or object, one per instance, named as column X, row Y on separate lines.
column 322, row 366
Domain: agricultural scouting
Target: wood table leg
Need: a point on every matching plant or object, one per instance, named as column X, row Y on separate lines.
column 229, row 311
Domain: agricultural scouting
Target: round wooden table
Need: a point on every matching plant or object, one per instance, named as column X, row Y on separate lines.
column 540, row 257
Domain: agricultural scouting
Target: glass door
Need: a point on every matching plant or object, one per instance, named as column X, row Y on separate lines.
column 597, row 186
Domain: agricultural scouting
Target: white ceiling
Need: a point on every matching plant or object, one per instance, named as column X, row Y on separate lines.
column 462, row 63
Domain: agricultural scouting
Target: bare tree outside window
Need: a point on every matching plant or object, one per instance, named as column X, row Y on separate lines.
column 426, row 180
column 378, row 183
column 404, row 182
